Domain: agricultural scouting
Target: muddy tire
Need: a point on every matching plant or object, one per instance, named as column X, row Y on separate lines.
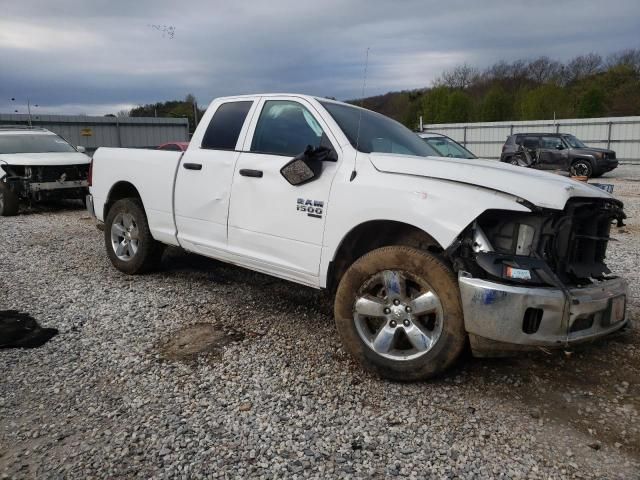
column 9, row 203
column 398, row 312
column 127, row 238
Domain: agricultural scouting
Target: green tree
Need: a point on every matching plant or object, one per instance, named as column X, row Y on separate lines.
column 592, row 103
column 459, row 107
column 545, row 102
column 435, row 105
column 497, row 105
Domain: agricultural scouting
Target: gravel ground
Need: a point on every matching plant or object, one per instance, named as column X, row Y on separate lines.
column 119, row 392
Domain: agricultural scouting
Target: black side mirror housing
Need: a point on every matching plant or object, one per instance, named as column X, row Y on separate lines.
column 560, row 147
column 307, row 166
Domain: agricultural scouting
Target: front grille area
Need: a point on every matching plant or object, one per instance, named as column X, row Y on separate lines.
column 578, row 249
column 60, row 173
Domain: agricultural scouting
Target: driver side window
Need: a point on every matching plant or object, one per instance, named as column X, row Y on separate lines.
column 286, row 128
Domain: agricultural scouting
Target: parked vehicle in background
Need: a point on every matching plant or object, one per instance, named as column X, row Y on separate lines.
column 36, row 165
column 446, row 146
column 422, row 252
column 174, row 146
column 558, row 151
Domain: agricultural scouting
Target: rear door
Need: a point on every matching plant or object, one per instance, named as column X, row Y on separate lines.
column 274, row 226
column 203, row 181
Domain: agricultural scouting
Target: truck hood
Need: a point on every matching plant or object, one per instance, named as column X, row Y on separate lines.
column 44, row 159
column 542, row 189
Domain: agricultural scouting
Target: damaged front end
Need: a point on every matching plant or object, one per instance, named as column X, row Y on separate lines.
column 540, row 278
column 38, row 183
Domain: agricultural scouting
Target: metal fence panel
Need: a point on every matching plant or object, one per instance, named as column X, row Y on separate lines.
column 621, row 134
column 94, row 132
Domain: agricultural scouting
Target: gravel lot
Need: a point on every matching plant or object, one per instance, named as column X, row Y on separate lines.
column 117, row 393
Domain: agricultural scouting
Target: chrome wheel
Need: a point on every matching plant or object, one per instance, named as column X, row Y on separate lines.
column 398, row 315
column 125, row 237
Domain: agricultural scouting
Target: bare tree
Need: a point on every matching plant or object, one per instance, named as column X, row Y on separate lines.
column 582, row 66
column 122, row 113
column 461, row 76
column 543, row 70
column 629, row 58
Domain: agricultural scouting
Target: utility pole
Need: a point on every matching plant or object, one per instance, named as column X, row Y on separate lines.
column 28, row 109
column 195, row 114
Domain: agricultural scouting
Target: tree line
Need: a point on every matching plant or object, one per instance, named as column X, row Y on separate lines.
column 172, row 109
column 536, row 89
column 542, row 88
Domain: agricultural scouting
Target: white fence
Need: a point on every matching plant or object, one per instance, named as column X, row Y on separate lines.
column 621, row 134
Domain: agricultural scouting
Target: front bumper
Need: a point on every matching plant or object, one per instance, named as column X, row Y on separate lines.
column 497, row 316
column 48, row 186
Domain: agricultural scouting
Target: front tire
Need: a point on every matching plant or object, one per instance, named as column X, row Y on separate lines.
column 9, row 202
column 581, row 168
column 398, row 312
column 127, row 238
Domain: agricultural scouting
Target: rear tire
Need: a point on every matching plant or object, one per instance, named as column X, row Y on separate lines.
column 9, row 203
column 127, row 238
column 398, row 312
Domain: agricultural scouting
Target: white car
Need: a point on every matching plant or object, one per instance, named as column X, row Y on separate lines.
column 35, row 165
column 421, row 252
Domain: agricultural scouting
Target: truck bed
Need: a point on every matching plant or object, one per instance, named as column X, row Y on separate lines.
column 152, row 172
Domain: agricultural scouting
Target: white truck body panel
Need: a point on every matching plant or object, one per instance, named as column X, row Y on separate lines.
column 253, row 222
column 151, row 172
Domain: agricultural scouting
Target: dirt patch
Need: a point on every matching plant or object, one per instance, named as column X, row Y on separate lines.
column 594, row 389
column 201, row 339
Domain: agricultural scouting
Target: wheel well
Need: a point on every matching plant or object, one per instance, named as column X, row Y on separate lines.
column 587, row 159
column 119, row 191
column 375, row 234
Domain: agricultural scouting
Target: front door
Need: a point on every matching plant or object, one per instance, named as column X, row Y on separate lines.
column 552, row 154
column 275, row 226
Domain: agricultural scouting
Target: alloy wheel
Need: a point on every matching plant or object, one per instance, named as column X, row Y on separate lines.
column 398, row 315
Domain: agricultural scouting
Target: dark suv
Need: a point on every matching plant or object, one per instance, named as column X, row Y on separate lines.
column 559, row 151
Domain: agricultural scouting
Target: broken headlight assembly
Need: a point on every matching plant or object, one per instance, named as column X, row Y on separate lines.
column 546, row 247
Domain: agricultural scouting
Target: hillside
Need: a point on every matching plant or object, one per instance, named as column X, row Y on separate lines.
column 585, row 86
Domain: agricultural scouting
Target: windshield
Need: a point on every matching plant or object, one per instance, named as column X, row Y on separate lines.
column 448, row 148
column 33, row 143
column 377, row 132
column 574, row 142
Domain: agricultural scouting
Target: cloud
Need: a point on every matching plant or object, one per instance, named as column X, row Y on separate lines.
column 73, row 54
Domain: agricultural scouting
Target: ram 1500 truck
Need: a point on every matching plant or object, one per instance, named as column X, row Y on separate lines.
column 421, row 252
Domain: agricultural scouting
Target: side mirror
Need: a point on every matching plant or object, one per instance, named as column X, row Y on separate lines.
column 308, row 165
column 81, row 149
column 560, row 147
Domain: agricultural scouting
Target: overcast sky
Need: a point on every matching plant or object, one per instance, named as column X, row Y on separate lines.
column 101, row 56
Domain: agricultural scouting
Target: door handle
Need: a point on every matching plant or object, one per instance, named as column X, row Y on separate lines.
column 192, row 166
column 247, row 172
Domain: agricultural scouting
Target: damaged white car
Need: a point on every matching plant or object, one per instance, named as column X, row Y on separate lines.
column 37, row 165
column 422, row 253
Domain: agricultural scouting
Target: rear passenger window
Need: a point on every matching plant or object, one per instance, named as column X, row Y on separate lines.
column 224, row 129
column 286, row 128
column 530, row 142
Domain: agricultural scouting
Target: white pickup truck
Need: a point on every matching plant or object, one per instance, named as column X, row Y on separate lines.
column 421, row 252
